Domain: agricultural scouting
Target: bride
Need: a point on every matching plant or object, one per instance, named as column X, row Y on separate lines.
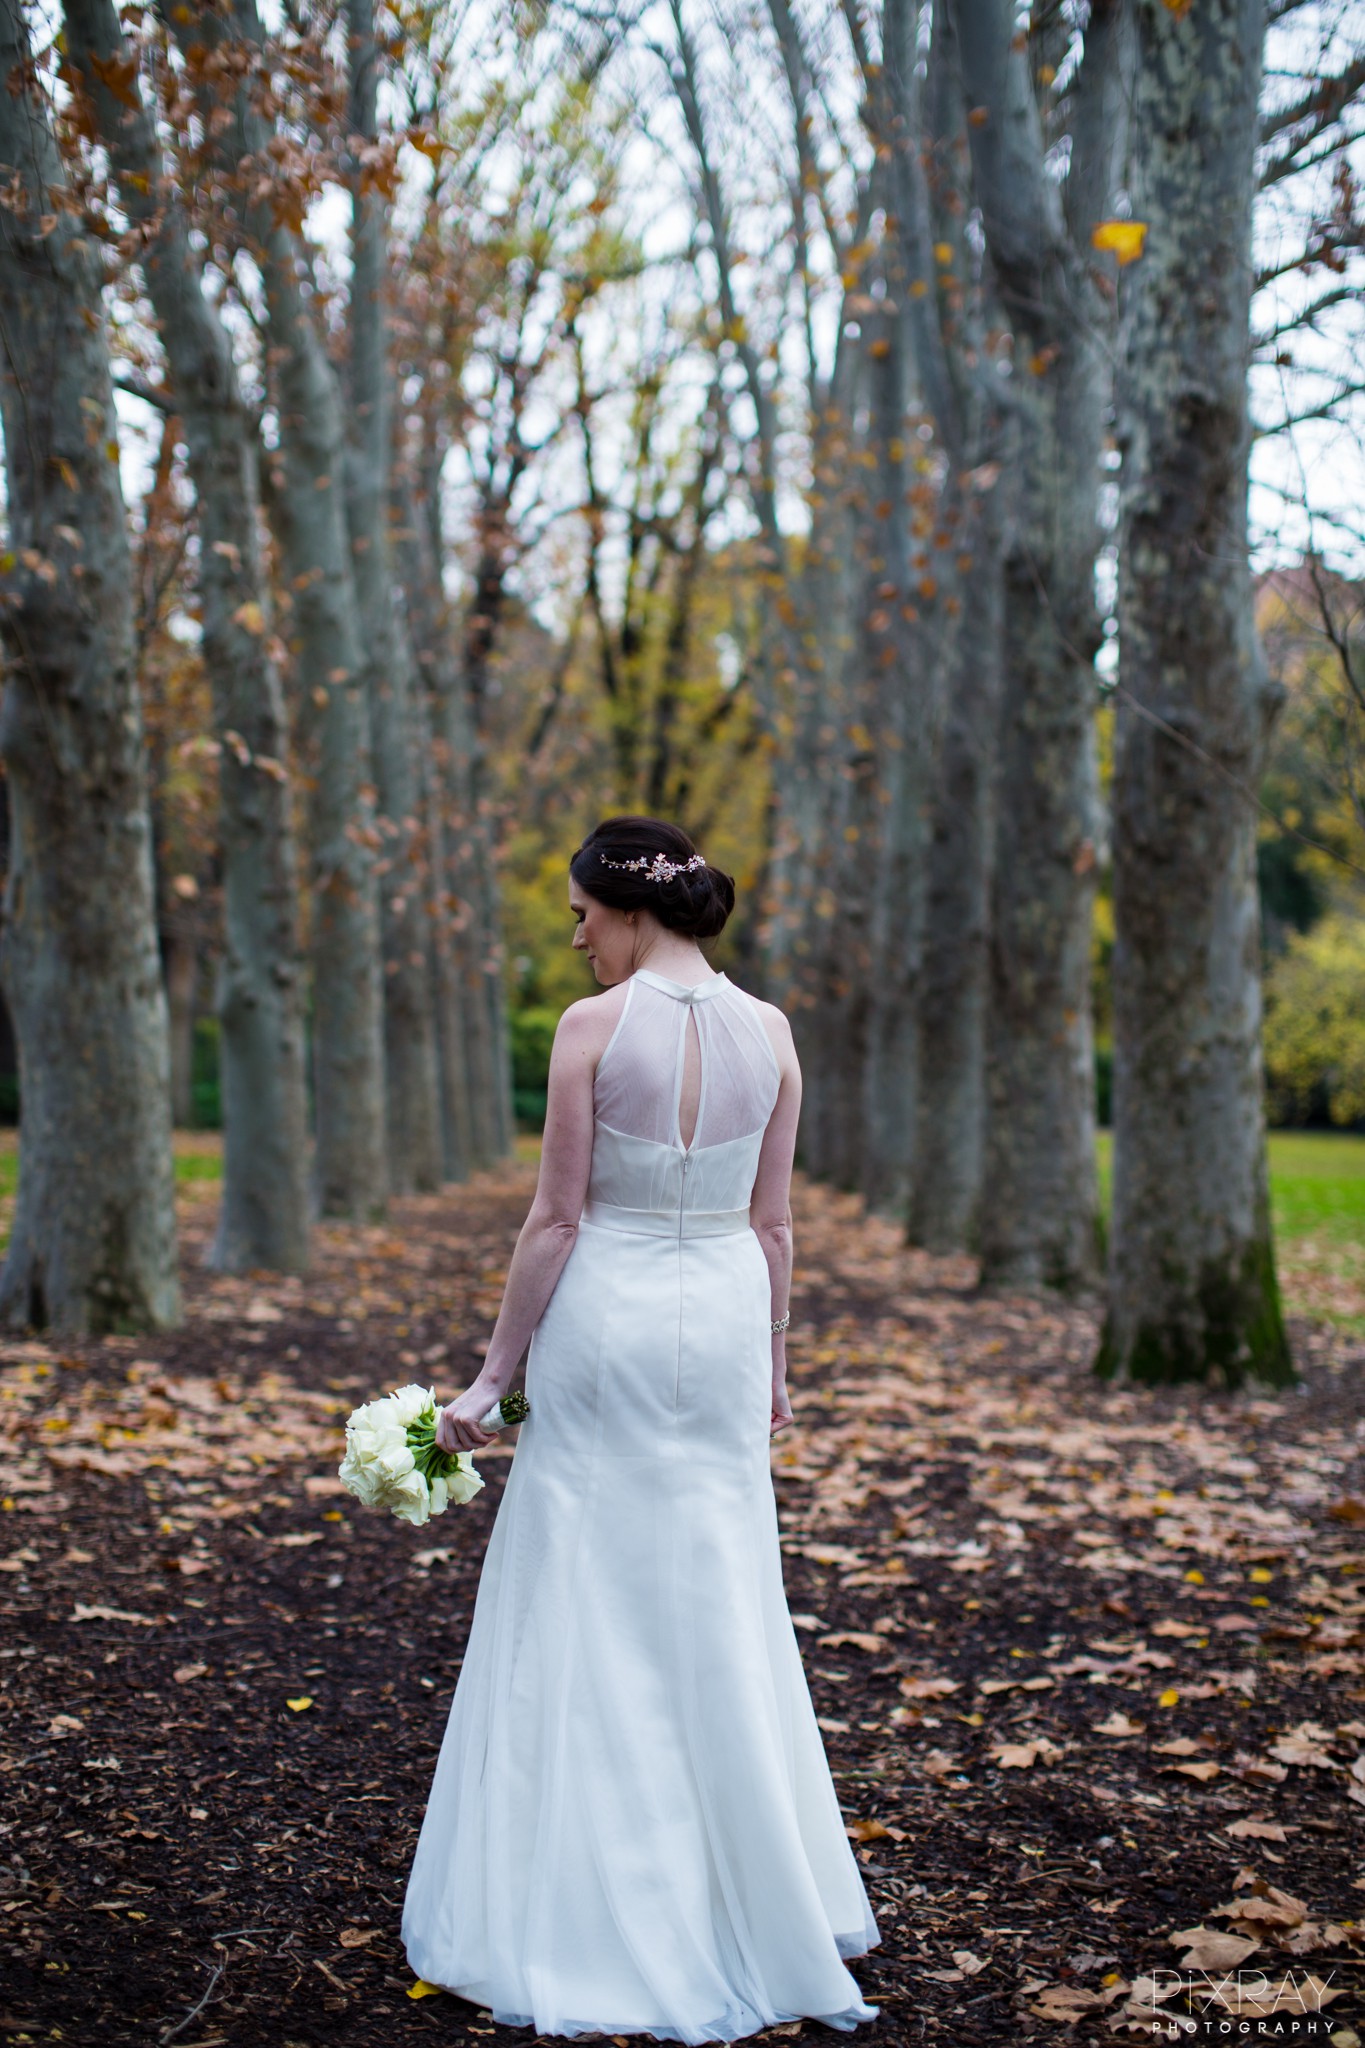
column 633, row 1827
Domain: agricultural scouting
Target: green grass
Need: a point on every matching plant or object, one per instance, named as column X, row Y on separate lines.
column 1317, row 1203
column 1317, row 1183
column 198, row 1157
column 1317, row 1192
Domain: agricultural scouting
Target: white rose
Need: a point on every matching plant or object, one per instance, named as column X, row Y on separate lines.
column 410, row 1500
column 465, row 1481
column 364, row 1443
column 410, row 1404
column 394, row 1458
column 440, row 1496
column 359, row 1477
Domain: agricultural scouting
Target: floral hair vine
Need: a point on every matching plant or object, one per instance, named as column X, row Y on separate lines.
column 660, row 869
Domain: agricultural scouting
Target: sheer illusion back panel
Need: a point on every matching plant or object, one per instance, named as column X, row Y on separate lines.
column 639, row 1076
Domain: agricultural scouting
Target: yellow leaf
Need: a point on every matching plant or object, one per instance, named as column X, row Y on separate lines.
column 249, row 617
column 1168, row 1698
column 1123, row 237
column 298, row 1706
column 943, row 252
column 421, row 1989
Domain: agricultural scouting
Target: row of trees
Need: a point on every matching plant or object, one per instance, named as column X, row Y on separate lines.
column 403, row 989
column 813, row 492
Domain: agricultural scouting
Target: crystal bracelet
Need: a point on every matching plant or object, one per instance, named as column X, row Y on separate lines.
column 781, row 1322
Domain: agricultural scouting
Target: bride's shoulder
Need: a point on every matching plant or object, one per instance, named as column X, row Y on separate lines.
column 590, row 1021
column 777, row 1025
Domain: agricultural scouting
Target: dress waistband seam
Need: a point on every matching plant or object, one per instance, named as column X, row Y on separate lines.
column 665, row 1222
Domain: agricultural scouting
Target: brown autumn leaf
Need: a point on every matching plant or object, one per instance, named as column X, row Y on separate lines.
column 1068, row 2003
column 1252, row 1826
column 927, row 1688
column 1209, row 1948
column 1021, row 1756
column 1298, row 1747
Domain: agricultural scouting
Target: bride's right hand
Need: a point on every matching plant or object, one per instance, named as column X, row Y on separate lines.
column 782, row 1410
column 458, row 1425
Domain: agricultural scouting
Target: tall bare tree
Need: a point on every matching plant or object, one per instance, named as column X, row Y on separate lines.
column 308, row 505
column 93, row 1244
column 1040, row 1198
column 264, row 1216
column 1192, row 1290
column 976, row 429
column 412, row 1101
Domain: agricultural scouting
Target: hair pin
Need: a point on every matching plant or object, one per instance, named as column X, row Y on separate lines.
column 660, row 869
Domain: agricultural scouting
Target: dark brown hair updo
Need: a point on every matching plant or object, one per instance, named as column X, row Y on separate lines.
column 695, row 903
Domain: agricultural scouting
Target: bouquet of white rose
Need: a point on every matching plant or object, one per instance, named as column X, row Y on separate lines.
column 392, row 1460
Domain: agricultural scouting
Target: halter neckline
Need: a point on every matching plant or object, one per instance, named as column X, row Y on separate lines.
column 690, row 991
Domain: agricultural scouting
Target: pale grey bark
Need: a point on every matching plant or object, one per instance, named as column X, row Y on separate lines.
column 93, row 1246
column 975, row 429
column 903, row 640
column 955, row 988
column 350, row 1163
column 410, row 1057
column 264, row 1219
column 440, row 705
column 1040, row 1199
column 1192, row 1291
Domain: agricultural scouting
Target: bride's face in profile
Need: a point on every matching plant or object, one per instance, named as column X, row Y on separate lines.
column 604, row 935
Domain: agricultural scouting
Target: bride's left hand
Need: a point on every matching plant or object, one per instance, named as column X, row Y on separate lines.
column 457, row 1425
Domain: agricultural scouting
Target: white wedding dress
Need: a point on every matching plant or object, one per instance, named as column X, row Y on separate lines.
column 632, row 1826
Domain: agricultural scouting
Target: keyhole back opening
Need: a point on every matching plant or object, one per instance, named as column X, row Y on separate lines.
column 689, row 1094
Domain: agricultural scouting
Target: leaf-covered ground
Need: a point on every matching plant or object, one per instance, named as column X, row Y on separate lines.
column 1090, row 1663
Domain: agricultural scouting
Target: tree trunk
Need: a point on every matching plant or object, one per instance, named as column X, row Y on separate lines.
column 93, row 1245
column 350, row 1165
column 412, row 1099
column 1193, row 1292
column 264, row 1220
column 954, row 993
column 439, row 707
column 1040, row 1197
column 1039, row 1210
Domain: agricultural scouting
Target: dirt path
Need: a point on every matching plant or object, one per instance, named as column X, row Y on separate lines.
column 1089, row 1664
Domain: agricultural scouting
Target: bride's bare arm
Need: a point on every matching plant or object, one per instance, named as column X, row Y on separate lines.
column 551, row 1226
column 770, row 1212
